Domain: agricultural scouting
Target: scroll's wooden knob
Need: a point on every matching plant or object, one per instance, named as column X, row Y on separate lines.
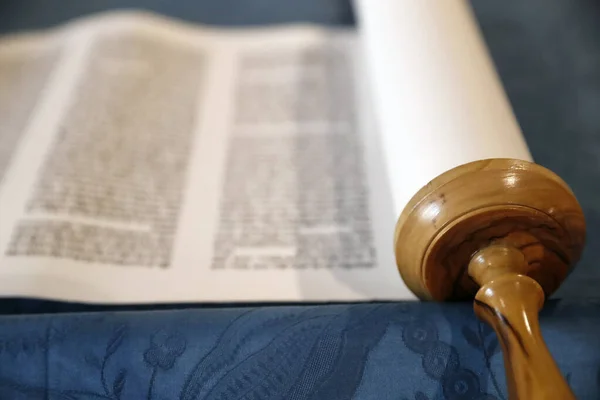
column 497, row 201
column 510, row 302
column 507, row 233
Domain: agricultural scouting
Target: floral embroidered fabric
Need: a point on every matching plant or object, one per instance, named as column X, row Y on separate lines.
column 420, row 351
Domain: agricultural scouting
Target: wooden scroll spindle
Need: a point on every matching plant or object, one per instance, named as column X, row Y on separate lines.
column 505, row 233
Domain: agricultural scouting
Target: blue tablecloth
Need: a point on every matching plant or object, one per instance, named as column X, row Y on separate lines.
column 548, row 56
column 365, row 351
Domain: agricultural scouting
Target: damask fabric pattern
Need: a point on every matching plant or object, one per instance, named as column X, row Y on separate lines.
column 420, row 351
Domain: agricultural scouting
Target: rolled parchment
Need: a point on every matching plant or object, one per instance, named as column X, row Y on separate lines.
column 437, row 98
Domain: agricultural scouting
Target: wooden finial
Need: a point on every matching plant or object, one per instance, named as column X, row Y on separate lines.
column 506, row 233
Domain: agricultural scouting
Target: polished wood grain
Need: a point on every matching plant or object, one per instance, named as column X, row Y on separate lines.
column 510, row 302
column 506, row 233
